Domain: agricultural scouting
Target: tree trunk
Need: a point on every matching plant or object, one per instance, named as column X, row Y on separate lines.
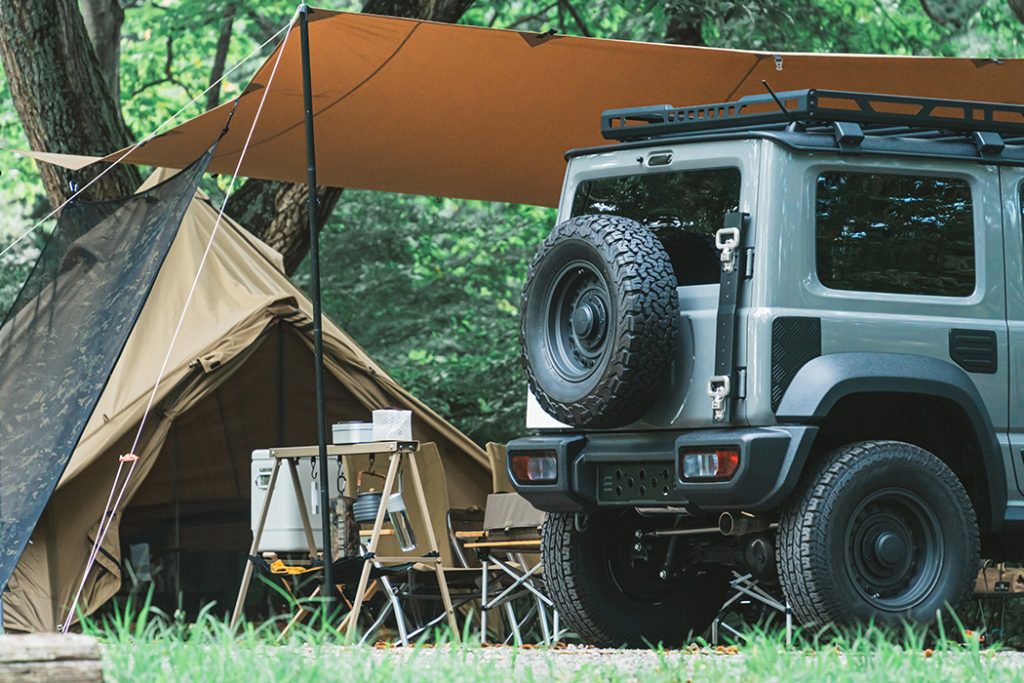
column 1018, row 9
column 220, row 58
column 684, row 26
column 60, row 94
column 276, row 212
column 103, row 19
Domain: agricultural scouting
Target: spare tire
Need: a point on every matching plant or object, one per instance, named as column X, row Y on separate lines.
column 598, row 321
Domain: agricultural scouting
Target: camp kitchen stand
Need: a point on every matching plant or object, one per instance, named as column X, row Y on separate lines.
column 396, row 451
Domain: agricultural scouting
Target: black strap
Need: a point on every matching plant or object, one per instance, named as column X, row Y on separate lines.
column 732, row 268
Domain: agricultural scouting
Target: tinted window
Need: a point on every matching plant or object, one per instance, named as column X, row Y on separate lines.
column 684, row 210
column 895, row 233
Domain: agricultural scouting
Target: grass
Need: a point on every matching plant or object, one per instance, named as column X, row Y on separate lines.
column 151, row 647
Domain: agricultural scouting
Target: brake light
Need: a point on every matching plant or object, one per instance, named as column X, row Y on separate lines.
column 709, row 465
column 535, row 468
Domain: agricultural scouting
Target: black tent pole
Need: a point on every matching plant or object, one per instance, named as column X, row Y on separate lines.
column 327, row 591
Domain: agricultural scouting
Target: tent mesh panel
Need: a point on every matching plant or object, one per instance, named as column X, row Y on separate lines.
column 63, row 336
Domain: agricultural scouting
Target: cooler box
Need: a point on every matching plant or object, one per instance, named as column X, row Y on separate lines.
column 283, row 529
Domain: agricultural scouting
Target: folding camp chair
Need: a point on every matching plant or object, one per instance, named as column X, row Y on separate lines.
column 508, row 548
column 746, row 590
column 511, row 534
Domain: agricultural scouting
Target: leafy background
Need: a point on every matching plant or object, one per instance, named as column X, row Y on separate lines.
column 430, row 286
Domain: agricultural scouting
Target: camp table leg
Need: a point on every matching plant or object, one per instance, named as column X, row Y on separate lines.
column 243, row 590
column 293, row 467
column 484, row 560
column 371, row 548
column 438, row 564
column 370, row 592
column 299, row 616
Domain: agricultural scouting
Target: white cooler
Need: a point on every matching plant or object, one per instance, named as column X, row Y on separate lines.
column 283, row 530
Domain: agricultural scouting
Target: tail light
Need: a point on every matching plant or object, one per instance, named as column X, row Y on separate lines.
column 540, row 467
column 716, row 464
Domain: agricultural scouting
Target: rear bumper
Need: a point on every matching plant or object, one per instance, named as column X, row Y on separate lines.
column 640, row 469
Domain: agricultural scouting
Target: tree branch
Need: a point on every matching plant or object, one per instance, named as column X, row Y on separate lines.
column 539, row 14
column 168, row 76
column 264, row 25
column 575, row 16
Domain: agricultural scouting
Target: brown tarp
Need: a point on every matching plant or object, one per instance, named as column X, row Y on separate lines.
column 461, row 111
column 247, row 336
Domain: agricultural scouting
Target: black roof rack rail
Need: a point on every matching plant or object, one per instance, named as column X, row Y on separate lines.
column 898, row 114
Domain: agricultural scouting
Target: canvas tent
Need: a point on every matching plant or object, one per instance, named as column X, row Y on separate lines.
column 413, row 106
column 245, row 345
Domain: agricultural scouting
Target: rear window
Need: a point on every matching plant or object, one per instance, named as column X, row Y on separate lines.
column 900, row 234
column 684, row 209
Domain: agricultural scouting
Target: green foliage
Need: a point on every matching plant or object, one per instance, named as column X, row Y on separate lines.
column 431, row 288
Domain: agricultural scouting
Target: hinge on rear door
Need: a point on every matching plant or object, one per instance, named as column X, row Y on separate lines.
column 728, row 240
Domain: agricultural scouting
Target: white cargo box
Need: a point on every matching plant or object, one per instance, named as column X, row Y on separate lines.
column 283, row 530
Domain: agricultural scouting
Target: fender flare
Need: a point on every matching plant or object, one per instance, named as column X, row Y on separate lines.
column 824, row 380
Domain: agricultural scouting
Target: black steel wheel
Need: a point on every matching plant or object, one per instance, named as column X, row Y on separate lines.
column 894, row 549
column 606, row 583
column 577, row 314
column 598, row 321
column 882, row 531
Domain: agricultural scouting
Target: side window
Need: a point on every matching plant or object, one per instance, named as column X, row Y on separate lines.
column 684, row 209
column 895, row 233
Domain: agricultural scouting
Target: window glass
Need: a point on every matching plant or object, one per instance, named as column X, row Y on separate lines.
column 684, row 209
column 895, row 233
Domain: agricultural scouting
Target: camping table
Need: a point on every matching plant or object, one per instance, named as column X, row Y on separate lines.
column 396, row 452
column 278, row 455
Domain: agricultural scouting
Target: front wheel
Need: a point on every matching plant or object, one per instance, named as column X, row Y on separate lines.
column 882, row 531
column 609, row 592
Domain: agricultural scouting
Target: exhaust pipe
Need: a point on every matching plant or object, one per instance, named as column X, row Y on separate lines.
column 740, row 525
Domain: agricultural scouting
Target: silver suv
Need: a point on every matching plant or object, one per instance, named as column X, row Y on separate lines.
column 783, row 335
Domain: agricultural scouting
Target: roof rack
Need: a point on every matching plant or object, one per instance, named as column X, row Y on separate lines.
column 849, row 116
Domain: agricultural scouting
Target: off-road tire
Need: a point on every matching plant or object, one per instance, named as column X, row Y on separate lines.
column 816, row 546
column 593, row 606
column 641, row 325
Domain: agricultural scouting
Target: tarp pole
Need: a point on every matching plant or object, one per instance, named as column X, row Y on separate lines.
column 327, row 592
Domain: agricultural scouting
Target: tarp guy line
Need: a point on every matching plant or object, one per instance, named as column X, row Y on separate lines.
column 106, row 519
column 287, row 27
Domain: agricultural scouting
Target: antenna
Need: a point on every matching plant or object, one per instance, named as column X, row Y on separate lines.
column 778, row 101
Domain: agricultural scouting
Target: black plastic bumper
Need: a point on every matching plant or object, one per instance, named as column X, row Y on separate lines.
column 640, row 469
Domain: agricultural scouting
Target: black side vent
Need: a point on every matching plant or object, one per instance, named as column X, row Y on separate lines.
column 794, row 342
column 974, row 350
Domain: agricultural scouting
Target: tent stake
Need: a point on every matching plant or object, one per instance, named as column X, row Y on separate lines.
column 318, row 324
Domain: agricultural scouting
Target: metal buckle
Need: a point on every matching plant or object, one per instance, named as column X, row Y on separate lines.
column 719, row 388
column 726, row 241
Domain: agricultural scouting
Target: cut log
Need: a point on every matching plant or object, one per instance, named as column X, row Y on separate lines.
column 50, row 657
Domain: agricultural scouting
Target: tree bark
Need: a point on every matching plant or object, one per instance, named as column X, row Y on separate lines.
column 277, row 212
column 103, row 19
column 60, row 94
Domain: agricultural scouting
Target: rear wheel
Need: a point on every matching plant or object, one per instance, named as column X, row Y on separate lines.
column 610, row 593
column 883, row 531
